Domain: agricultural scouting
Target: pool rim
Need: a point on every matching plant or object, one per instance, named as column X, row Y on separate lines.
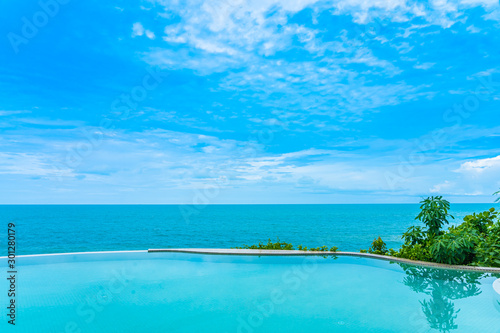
column 256, row 252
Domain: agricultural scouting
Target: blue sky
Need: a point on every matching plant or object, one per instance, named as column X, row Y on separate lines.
column 273, row 101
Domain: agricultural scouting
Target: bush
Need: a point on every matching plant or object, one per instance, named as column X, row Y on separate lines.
column 455, row 247
column 480, row 222
column 488, row 250
column 392, row 252
column 269, row 246
column 278, row 245
column 320, row 249
column 414, row 235
column 414, row 252
column 474, row 242
column 378, row 247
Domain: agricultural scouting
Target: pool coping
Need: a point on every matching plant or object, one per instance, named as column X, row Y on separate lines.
column 73, row 253
column 256, row 252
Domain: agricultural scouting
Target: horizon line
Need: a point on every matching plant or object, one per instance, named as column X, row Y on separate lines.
column 221, row 204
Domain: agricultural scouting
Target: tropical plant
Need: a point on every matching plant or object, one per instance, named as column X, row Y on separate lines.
column 414, row 235
column 434, row 214
column 476, row 241
column 414, row 252
column 497, row 193
column 455, row 247
column 378, row 247
column 488, row 250
column 481, row 221
column 269, row 246
column 278, row 245
column 320, row 249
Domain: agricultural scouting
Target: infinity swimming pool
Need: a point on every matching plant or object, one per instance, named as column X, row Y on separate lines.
column 178, row 292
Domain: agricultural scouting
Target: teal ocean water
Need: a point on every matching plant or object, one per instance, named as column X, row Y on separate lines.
column 75, row 228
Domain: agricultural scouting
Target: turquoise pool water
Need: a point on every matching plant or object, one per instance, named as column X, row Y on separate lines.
column 175, row 292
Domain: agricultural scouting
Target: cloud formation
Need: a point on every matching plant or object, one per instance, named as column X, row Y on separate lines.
column 260, row 101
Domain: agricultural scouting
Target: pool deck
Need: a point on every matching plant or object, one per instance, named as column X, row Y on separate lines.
column 252, row 252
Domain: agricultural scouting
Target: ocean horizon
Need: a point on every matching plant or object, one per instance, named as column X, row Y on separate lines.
column 112, row 227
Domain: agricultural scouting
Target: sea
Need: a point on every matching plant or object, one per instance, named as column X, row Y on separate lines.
column 41, row 229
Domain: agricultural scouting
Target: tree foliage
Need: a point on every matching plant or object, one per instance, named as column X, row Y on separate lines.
column 488, row 250
column 476, row 241
column 455, row 247
column 378, row 247
column 278, row 245
column 434, row 214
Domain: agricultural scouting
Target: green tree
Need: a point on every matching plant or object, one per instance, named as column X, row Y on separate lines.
column 434, row 214
column 378, row 247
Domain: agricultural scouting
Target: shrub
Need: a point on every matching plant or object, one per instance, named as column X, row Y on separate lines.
column 480, row 222
column 434, row 214
column 392, row 252
column 378, row 247
column 320, row 249
column 415, row 245
column 414, row 235
column 278, row 245
column 476, row 241
column 455, row 247
column 269, row 246
column 414, row 252
column 488, row 250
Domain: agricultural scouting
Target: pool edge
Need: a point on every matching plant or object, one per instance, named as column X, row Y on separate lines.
column 256, row 252
column 73, row 253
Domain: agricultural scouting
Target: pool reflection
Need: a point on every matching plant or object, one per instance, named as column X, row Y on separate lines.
column 444, row 287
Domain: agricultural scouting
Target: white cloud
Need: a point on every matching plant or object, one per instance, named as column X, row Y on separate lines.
column 30, row 164
column 440, row 187
column 180, row 162
column 482, row 3
column 138, row 30
column 150, row 34
column 246, row 38
column 4, row 113
column 49, row 122
column 473, row 29
column 481, row 165
column 424, row 66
